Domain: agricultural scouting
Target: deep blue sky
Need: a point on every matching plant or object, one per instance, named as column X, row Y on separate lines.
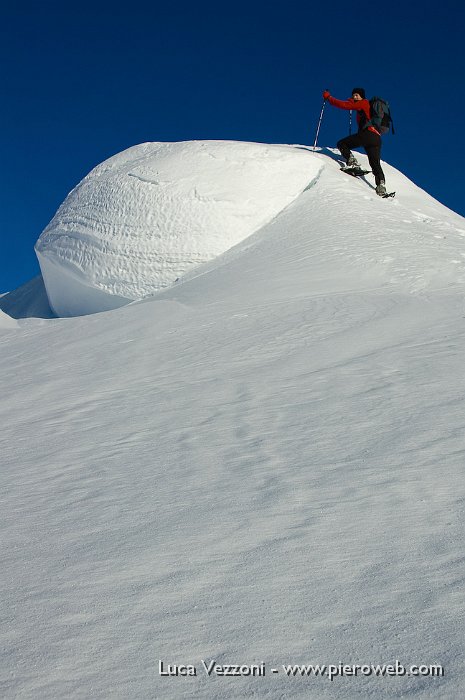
column 83, row 81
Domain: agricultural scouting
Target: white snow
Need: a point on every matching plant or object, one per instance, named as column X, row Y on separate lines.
column 261, row 463
column 6, row 321
column 29, row 300
column 141, row 219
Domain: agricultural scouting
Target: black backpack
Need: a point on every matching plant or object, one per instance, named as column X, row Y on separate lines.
column 380, row 115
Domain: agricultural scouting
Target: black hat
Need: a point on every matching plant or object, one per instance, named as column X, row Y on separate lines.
column 359, row 91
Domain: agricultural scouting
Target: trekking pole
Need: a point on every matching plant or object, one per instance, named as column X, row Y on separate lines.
column 350, row 122
column 319, row 124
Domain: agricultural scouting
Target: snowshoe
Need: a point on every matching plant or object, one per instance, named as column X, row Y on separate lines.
column 356, row 171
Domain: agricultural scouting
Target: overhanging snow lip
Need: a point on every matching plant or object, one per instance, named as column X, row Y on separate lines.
column 81, row 299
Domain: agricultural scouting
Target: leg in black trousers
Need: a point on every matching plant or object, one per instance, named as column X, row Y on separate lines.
column 374, row 154
column 371, row 143
column 345, row 145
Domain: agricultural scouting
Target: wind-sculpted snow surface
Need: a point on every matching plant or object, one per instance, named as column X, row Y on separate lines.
column 141, row 219
column 262, row 464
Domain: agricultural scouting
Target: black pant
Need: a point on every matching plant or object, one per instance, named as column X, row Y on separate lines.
column 371, row 142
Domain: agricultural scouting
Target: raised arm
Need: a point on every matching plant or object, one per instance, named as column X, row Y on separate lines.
column 344, row 104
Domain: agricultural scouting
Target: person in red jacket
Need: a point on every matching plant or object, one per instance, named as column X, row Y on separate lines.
column 367, row 137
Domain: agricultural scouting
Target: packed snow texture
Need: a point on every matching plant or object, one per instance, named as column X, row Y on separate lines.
column 263, row 462
column 141, row 219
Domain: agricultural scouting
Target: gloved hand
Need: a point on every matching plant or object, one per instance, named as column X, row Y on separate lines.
column 326, row 94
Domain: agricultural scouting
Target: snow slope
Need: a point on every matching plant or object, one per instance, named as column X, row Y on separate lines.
column 142, row 218
column 262, row 463
column 6, row 321
column 29, row 300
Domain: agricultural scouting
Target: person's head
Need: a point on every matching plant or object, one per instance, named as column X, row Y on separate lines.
column 358, row 94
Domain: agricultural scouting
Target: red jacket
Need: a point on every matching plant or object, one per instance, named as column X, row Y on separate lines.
column 362, row 108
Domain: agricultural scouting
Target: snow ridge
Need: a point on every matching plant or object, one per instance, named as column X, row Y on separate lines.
column 142, row 219
column 261, row 463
